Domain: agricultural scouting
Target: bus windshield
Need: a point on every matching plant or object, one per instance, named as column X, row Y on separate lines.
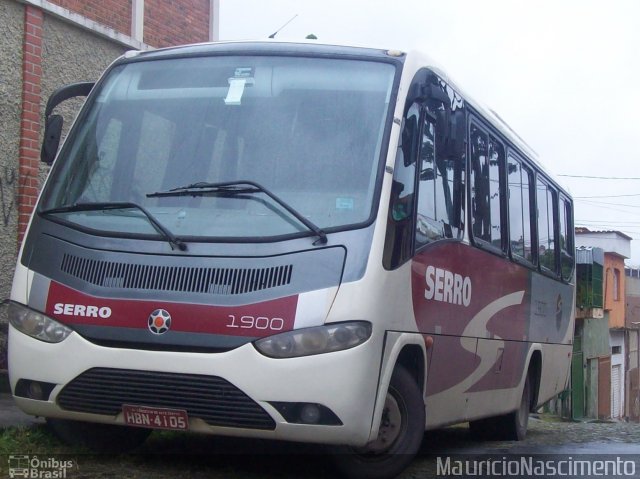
column 309, row 130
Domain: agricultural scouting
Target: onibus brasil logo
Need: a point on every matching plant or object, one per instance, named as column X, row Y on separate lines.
column 33, row 467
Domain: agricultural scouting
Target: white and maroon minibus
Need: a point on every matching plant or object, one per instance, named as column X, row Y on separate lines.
column 316, row 243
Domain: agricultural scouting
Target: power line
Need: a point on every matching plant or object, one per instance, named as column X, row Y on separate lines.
column 599, row 203
column 606, row 196
column 594, row 204
column 607, row 224
column 602, row 177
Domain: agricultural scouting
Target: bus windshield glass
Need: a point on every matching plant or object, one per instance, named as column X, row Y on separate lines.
column 308, row 130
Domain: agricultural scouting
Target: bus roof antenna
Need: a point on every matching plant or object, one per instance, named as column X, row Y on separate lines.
column 273, row 35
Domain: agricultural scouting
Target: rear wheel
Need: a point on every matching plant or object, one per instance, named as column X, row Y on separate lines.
column 516, row 423
column 106, row 438
column 399, row 437
column 509, row 427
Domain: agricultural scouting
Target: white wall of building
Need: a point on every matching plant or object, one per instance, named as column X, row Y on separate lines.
column 609, row 241
column 616, row 341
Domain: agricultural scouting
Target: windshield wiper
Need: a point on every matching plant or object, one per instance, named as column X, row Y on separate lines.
column 232, row 188
column 102, row 206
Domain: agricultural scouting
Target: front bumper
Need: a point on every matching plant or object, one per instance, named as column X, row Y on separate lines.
column 345, row 382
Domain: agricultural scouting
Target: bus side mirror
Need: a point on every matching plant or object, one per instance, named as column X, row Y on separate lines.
column 436, row 96
column 431, row 93
column 53, row 123
column 52, row 134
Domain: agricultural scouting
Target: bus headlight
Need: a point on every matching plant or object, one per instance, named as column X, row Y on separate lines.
column 37, row 325
column 317, row 340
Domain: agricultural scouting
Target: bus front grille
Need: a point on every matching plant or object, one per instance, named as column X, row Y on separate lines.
column 188, row 279
column 210, row 398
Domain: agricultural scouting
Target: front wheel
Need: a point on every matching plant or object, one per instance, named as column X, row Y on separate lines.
column 399, row 437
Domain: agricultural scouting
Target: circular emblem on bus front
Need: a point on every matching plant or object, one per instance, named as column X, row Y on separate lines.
column 159, row 321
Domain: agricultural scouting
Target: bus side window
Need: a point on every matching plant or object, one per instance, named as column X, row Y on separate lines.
column 487, row 160
column 547, row 200
column 427, row 226
column 398, row 245
column 566, row 238
column 519, row 180
column 435, row 215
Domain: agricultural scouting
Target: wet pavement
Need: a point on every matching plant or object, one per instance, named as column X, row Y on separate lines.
column 546, row 435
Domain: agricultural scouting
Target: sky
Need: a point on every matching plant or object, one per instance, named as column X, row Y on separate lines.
column 565, row 74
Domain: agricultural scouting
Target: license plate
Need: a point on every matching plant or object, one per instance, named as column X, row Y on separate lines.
column 156, row 418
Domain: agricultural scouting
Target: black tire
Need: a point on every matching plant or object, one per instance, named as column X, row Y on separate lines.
column 509, row 427
column 102, row 438
column 516, row 423
column 404, row 419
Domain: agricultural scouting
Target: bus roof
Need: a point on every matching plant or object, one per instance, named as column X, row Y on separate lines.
column 309, row 47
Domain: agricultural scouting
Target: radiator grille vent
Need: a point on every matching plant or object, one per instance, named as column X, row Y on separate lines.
column 211, row 398
column 220, row 281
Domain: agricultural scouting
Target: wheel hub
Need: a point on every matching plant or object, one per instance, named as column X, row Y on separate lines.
column 390, row 426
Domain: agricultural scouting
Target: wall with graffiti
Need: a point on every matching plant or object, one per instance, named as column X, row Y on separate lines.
column 66, row 54
column 11, row 19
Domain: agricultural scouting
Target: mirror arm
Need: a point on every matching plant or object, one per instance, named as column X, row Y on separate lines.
column 435, row 93
column 53, row 123
column 65, row 92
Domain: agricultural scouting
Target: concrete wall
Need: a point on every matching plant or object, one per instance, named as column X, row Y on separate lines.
column 632, row 315
column 12, row 21
column 71, row 54
column 632, row 286
column 632, row 302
